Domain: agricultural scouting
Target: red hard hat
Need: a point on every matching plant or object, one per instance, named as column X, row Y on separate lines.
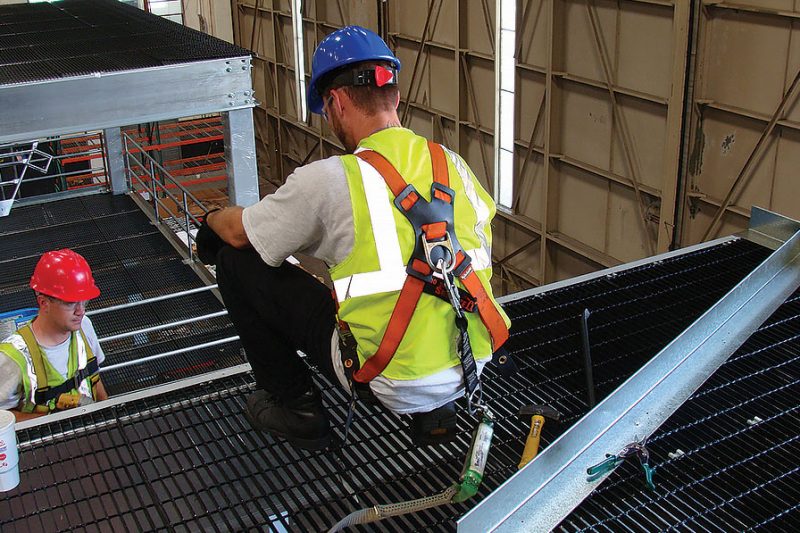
column 65, row 275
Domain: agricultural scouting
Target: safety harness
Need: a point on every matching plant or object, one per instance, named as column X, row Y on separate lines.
column 436, row 261
column 46, row 395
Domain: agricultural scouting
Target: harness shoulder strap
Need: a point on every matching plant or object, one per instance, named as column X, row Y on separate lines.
column 387, row 171
column 441, row 174
column 36, row 356
column 412, row 287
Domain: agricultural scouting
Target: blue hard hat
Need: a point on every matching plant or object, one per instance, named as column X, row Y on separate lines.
column 351, row 44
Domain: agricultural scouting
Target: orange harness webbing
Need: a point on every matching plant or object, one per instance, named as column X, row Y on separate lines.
column 419, row 270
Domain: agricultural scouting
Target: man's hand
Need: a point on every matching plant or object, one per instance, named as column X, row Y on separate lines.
column 208, row 243
column 100, row 391
column 19, row 416
column 227, row 224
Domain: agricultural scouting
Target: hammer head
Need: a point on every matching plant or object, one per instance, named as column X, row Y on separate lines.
column 542, row 410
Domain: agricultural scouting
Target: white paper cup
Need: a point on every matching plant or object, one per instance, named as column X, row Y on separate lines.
column 9, row 456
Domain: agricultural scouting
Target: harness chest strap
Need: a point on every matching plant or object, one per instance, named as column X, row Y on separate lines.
column 413, row 286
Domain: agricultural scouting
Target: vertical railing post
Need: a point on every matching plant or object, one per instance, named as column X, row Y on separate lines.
column 189, row 237
column 153, row 188
column 126, row 161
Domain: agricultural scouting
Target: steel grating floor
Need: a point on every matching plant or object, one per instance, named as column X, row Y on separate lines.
column 80, row 37
column 734, row 446
column 187, row 460
column 131, row 260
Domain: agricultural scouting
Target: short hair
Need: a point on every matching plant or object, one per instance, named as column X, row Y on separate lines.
column 368, row 99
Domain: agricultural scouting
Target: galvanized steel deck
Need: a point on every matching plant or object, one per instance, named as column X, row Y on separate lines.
column 79, row 37
column 187, row 460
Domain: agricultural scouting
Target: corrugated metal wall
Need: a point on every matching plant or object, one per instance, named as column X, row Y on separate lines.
column 745, row 145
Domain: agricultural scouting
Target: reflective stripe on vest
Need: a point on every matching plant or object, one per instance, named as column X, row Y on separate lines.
column 392, row 273
column 18, row 343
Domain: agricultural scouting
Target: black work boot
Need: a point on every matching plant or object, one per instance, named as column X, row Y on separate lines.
column 301, row 421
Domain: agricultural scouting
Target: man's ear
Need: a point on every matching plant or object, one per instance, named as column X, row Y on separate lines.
column 397, row 101
column 339, row 99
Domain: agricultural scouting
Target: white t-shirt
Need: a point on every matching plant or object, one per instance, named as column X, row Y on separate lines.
column 11, row 377
column 312, row 214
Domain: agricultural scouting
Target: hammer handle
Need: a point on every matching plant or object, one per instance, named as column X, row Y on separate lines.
column 532, row 442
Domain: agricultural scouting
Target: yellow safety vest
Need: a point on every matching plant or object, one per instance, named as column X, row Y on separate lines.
column 368, row 281
column 41, row 382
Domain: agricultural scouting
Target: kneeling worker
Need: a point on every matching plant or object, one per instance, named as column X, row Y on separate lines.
column 404, row 226
column 52, row 363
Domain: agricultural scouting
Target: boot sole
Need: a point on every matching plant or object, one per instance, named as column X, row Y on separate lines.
column 317, row 444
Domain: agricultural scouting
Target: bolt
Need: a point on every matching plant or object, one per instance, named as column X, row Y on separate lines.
column 229, row 69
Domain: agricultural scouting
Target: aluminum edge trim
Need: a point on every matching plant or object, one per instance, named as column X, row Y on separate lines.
column 137, row 395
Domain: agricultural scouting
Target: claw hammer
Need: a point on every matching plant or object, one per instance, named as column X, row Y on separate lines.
column 538, row 413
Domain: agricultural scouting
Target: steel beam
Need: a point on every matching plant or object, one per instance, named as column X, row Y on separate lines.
column 543, row 493
column 109, row 100
column 240, row 156
column 115, row 160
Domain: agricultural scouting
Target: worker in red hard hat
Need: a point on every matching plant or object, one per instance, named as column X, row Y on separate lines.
column 52, row 363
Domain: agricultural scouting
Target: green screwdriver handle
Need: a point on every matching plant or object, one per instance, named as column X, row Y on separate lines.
column 607, row 465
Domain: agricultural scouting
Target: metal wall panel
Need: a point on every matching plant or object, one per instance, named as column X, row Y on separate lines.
column 599, row 101
column 745, row 120
column 208, row 16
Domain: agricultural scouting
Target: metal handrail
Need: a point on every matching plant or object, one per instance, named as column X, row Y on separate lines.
column 96, row 151
column 167, row 354
column 163, row 297
column 161, row 168
column 161, row 327
column 158, row 184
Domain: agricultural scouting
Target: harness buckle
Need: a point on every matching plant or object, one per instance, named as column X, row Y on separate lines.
column 445, row 264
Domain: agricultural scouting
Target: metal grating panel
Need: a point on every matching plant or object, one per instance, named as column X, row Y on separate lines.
column 197, row 466
column 739, row 434
column 97, row 36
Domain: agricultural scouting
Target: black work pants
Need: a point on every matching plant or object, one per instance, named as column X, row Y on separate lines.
column 277, row 311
